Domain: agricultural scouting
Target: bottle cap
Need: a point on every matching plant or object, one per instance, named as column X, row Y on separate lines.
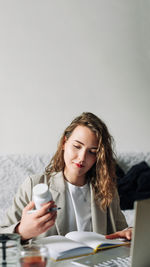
column 40, row 190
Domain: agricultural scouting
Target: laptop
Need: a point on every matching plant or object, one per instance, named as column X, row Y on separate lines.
column 136, row 256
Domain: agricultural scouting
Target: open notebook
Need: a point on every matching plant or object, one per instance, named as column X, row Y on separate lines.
column 77, row 243
column 140, row 245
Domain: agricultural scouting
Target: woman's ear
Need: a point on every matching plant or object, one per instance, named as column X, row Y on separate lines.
column 64, row 141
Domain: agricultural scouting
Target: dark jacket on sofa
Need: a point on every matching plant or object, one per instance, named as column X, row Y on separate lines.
column 133, row 185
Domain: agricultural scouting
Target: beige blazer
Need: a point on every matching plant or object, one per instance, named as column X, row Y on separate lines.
column 102, row 222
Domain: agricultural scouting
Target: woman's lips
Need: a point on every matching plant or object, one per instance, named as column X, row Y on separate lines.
column 79, row 165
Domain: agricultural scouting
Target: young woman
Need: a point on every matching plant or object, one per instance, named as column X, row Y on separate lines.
column 82, row 180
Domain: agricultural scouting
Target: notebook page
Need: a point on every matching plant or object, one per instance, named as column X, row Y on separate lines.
column 92, row 239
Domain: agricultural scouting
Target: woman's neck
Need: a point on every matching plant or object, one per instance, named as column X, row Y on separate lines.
column 75, row 180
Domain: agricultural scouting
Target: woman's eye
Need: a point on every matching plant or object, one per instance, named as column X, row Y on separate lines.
column 78, row 147
column 92, row 152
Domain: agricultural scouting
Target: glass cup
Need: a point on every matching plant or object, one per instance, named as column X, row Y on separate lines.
column 9, row 249
column 33, row 255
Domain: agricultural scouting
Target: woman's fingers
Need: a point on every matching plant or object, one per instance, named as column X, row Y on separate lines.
column 127, row 234
column 44, row 209
column 49, row 223
column 30, row 206
column 113, row 236
column 33, row 224
column 47, row 217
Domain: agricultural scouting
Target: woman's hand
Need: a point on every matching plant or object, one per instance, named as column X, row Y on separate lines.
column 126, row 233
column 34, row 224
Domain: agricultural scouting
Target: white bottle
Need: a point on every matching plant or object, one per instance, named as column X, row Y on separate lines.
column 41, row 194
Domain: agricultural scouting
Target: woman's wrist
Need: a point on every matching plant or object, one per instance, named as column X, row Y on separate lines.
column 130, row 227
column 17, row 230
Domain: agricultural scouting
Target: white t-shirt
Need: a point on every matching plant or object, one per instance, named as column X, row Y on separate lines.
column 79, row 207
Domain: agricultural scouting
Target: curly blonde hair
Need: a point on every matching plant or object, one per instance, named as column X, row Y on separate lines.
column 102, row 175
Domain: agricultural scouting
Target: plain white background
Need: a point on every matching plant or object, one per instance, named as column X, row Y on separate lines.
column 59, row 58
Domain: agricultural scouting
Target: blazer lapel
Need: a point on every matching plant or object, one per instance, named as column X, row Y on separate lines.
column 57, row 188
column 99, row 217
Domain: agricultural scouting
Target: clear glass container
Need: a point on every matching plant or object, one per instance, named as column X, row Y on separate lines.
column 9, row 249
column 33, row 255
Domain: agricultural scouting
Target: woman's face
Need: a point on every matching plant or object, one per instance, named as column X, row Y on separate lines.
column 79, row 154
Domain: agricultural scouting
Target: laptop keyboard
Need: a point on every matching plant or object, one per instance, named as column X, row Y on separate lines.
column 119, row 262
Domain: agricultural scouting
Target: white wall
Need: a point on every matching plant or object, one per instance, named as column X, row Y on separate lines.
column 59, row 58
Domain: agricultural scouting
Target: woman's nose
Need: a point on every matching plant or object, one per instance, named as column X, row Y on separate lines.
column 82, row 155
